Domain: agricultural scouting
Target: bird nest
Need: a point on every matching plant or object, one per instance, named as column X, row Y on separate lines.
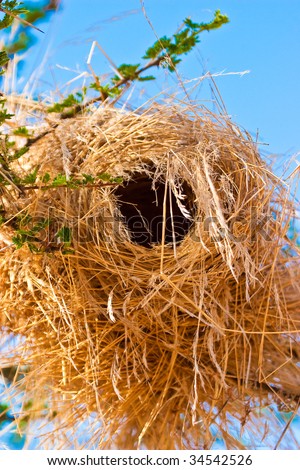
column 170, row 317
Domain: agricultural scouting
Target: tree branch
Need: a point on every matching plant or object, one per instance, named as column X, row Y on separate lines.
column 81, row 107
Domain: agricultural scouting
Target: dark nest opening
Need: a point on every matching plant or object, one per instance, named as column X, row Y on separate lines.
column 141, row 204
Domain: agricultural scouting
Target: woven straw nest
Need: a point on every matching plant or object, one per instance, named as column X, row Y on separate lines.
column 173, row 321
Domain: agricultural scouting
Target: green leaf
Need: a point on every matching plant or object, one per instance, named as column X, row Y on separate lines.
column 66, row 103
column 29, row 235
column 183, row 41
column 87, row 179
column 4, row 59
column 25, row 233
column 33, row 248
column 108, row 178
column 31, row 177
column 27, row 405
column 44, row 223
column 18, row 240
column 73, row 183
column 114, row 91
column 21, row 131
column 191, row 25
column 23, row 423
column 24, row 219
column 3, row 408
column 159, row 46
column 96, row 86
column 65, row 235
column 118, row 179
column 9, row 143
column 46, row 178
column 108, row 89
column 10, row 6
column 146, row 78
column 16, row 179
column 18, row 153
column 104, row 176
column 59, row 180
column 128, row 70
column 217, row 22
column 4, row 115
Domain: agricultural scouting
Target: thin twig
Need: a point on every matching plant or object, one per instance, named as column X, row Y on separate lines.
column 96, row 185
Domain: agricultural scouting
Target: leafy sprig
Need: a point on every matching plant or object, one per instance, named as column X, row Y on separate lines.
column 36, row 237
column 29, row 235
column 165, row 52
column 4, row 115
column 22, row 131
column 34, row 181
column 11, row 8
column 68, row 102
column 4, row 59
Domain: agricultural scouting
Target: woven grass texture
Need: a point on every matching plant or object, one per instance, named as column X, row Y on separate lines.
column 173, row 317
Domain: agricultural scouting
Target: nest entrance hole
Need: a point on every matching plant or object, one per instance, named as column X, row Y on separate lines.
column 141, row 203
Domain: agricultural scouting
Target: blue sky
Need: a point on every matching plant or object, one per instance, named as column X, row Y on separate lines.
column 262, row 37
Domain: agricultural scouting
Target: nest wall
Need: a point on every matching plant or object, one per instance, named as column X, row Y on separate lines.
column 175, row 315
